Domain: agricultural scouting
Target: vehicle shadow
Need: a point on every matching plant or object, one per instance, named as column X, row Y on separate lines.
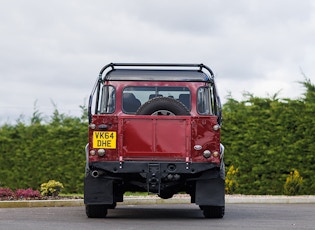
column 156, row 212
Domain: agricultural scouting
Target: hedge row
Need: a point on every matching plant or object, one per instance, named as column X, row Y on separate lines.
column 36, row 153
column 265, row 140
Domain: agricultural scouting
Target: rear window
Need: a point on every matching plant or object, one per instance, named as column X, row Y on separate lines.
column 135, row 96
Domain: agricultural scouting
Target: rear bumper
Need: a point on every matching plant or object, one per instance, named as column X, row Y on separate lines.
column 144, row 167
column 201, row 180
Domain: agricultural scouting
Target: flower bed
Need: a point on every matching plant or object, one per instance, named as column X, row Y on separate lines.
column 7, row 194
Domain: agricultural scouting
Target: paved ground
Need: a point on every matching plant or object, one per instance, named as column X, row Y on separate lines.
column 163, row 216
column 177, row 199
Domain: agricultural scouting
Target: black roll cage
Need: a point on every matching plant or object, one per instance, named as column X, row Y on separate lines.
column 152, row 66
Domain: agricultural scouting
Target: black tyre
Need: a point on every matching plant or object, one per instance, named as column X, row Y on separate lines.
column 163, row 106
column 96, row 211
column 111, row 206
column 166, row 195
column 213, row 211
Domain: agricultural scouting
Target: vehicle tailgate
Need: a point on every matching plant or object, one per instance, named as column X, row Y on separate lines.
column 155, row 137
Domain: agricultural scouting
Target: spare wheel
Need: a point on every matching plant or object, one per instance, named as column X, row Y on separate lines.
column 163, row 106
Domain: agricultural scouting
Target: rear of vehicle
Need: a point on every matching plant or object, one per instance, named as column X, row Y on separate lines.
column 154, row 128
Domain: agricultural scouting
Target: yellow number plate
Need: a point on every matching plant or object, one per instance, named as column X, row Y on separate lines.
column 104, row 139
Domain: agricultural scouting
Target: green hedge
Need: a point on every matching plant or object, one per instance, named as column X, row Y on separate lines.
column 265, row 139
column 36, row 153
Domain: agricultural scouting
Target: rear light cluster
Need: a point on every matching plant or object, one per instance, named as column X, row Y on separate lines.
column 216, row 127
column 208, row 154
column 99, row 152
column 213, row 156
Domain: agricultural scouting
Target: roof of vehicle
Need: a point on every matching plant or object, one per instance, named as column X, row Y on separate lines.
column 156, row 72
column 157, row 75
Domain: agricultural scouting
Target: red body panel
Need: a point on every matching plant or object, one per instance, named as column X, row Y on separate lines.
column 204, row 135
column 169, row 138
column 155, row 137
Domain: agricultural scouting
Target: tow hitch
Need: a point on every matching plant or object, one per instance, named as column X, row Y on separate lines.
column 153, row 178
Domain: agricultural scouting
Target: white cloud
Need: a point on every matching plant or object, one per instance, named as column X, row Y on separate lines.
column 54, row 50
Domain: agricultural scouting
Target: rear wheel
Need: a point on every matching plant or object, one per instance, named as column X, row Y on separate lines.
column 96, row 211
column 213, row 211
column 166, row 195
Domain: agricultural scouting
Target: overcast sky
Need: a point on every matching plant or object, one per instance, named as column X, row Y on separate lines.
column 52, row 51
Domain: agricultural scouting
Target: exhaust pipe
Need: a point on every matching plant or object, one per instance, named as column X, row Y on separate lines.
column 96, row 173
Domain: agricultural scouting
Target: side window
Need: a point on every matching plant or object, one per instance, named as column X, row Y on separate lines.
column 206, row 102
column 107, row 99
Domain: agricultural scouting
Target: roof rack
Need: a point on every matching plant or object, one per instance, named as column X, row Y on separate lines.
column 156, row 65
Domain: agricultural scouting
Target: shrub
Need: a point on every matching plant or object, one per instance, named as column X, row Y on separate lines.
column 51, row 188
column 293, row 183
column 6, row 192
column 230, row 180
column 27, row 193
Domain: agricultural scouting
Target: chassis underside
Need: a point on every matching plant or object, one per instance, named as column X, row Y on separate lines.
column 105, row 183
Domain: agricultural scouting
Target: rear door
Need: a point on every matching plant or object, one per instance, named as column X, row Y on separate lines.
column 155, row 137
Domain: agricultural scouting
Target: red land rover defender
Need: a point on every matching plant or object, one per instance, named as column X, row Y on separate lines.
column 154, row 128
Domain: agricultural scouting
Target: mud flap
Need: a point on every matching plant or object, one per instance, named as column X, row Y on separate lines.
column 98, row 191
column 210, row 192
